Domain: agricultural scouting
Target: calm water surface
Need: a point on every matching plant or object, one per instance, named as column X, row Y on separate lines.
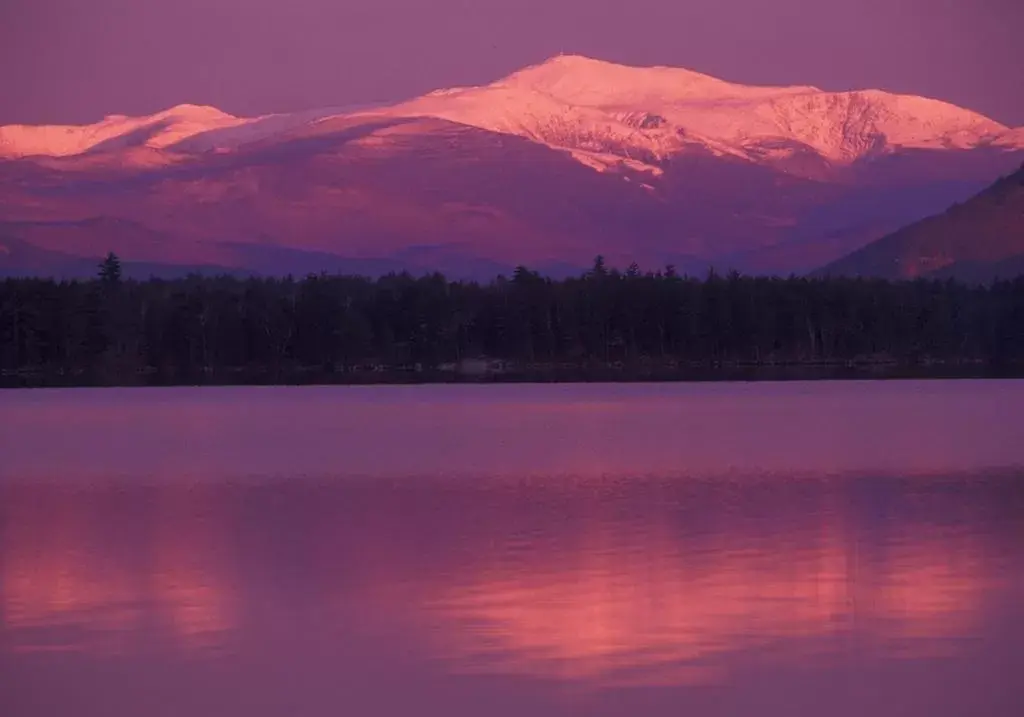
column 840, row 549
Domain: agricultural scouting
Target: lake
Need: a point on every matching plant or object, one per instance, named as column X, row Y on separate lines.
column 771, row 549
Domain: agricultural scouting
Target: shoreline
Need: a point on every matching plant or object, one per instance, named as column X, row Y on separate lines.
column 563, row 374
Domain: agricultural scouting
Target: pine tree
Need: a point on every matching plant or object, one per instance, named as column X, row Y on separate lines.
column 110, row 270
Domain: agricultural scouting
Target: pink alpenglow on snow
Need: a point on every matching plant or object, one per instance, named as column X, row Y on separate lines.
column 584, row 104
column 547, row 166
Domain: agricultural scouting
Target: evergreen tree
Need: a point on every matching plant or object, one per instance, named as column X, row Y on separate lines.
column 110, row 270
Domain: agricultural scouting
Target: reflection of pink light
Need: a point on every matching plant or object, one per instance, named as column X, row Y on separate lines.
column 608, row 612
column 198, row 611
column 54, row 575
column 605, row 598
column 52, row 578
column 188, row 584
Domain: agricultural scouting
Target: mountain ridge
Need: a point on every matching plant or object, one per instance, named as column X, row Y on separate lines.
column 661, row 109
column 547, row 166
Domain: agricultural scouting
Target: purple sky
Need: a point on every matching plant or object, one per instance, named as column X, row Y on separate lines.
column 77, row 60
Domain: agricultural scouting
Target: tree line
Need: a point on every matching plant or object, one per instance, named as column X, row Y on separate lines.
column 111, row 330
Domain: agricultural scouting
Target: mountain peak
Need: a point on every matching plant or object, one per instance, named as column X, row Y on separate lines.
column 593, row 107
column 594, row 82
column 586, row 81
column 183, row 112
column 576, row 64
column 193, row 112
column 114, row 132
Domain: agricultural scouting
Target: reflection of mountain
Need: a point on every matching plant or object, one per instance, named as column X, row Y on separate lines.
column 634, row 580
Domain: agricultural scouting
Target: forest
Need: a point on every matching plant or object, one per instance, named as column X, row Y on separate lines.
column 605, row 324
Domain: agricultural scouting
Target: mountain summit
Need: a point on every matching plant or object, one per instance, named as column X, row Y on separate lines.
column 592, row 105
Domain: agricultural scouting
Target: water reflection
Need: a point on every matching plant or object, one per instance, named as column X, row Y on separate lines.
column 106, row 572
column 612, row 582
column 618, row 595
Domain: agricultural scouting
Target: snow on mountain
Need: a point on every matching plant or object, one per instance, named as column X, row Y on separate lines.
column 580, row 103
column 160, row 130
column 602, row 113
column 251, row 130
column 1014, row 139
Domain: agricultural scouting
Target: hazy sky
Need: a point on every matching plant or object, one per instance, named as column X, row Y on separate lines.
column 77, row 60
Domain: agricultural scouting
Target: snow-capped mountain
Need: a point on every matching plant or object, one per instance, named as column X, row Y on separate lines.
column 593, row 106
column 689, row 169
column 590, row 105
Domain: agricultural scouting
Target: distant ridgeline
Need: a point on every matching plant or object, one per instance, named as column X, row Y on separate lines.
column 603, row 325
